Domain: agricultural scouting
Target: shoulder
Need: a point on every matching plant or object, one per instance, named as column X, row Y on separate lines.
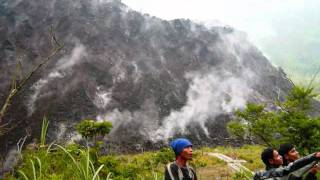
column 193, row 171
column 172, row 166
column 258, row 175
column 271, row 173
column 171, row 171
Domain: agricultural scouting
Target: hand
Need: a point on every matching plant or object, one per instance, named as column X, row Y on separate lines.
column 315, row 169
column 317, row 155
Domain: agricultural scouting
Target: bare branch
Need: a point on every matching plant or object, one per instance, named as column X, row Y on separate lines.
column 38, row 67
column 16, row 87
column 314, row 77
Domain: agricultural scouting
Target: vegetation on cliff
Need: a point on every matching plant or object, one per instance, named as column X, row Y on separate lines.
column 291, row 121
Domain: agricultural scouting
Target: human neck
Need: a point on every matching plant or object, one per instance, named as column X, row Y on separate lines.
column 181, row 161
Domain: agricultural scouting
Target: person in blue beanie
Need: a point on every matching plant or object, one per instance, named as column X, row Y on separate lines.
column 179, row 169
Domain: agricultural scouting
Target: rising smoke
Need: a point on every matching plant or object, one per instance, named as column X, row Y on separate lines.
column 209, row 95
column 63, row 66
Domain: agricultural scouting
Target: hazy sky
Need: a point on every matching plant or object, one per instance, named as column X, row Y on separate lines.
column 287, row 31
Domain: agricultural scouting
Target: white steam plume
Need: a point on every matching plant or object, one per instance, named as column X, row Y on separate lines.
column 102, row 98
column 78, row 53
column 63, row 66
column 208, row 96
column 36, row 88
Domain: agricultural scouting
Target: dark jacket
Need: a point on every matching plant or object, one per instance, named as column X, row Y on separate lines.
column 287, row 172
column 186, row 173
column 299, row 174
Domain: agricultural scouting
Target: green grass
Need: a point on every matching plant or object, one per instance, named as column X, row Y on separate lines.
column 44, row 128
column 76, row 162
column 85, row 169
column 249, row 153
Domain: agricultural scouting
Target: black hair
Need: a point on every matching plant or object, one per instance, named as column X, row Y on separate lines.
column 266, row 155
column 283, row 150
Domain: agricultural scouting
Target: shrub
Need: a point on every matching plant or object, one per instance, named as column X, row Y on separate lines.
column 290, row 123
column 90, row 129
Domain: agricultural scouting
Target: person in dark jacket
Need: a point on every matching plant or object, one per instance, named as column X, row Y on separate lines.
column 179, row 169
column 274, row 169
column 289, row 155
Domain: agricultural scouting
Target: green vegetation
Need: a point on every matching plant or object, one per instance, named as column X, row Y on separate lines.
column 91, row 129
column 44, row 128
column 79, row 162
column 249, row 153
column 75, row 162
column 57, row 162
column 85, row 169
column 290, row 122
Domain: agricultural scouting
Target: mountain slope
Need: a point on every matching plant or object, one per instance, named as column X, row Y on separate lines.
column 153, row 79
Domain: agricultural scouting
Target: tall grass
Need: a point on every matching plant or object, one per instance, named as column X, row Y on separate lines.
column 44, row 128
column 85, row 170
column 77, row 162
column 36, row 172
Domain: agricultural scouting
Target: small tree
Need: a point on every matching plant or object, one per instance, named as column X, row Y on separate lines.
column 290, row 123
column 91, row 129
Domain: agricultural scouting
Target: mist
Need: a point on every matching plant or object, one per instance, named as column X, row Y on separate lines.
column 285, row 31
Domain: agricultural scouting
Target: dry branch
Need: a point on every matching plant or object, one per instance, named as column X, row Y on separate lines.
column 17, row 86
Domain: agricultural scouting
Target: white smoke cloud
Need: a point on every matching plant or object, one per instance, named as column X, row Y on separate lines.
column 36, row 89
column 102, row 98
column 142, row 121
column 77, row 54
column 55, row 74
column 61, row 131
column 12, row 159
column 208, row 96
column 117, row 118
column 62, row 67
column 211, row 93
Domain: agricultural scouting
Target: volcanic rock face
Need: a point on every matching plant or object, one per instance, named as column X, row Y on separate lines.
column 153, row 79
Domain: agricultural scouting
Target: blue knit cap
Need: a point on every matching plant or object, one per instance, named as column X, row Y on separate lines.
column 179, row 144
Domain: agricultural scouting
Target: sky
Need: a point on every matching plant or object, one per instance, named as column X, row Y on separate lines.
column 286, row 31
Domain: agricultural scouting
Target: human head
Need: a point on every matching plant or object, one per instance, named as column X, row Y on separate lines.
column 182, row 146
column 288, row 153
column 271, row 158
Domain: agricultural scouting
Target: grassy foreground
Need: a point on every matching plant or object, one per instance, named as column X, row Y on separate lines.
column 75, row 162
